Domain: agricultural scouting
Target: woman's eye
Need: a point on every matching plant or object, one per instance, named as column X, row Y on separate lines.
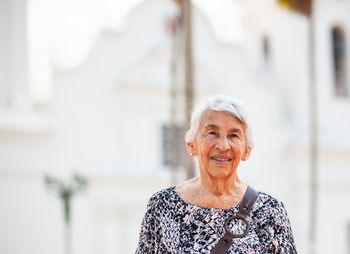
column 212, row 133
column 234, row 136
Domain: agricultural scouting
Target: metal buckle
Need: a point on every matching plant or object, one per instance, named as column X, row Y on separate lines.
column 236, row 217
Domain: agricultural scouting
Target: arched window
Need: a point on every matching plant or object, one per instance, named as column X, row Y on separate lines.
column 266, row 52
column 339, row 62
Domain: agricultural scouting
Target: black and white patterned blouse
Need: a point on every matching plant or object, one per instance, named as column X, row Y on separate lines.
column 172, row 225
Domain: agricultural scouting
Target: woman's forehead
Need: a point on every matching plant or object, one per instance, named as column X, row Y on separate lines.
column 216, row 119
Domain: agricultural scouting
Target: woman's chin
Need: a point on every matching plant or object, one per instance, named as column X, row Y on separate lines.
column 220, row 173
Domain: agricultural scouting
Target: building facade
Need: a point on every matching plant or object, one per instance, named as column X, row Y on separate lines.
column 105, row 117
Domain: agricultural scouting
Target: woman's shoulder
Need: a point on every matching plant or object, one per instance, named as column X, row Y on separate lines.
column 268, row 203
column 163, row 193
column 163, row 197
column 268, row 210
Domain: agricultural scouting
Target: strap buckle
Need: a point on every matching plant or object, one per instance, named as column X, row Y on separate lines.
column 226, row 241
column 236, row 217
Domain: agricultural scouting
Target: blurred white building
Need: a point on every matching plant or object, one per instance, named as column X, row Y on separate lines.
column 104, row 114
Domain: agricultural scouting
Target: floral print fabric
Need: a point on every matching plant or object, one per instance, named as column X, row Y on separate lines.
column 172, row 225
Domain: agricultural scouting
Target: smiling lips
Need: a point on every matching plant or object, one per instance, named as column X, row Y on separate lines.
column 220, row 158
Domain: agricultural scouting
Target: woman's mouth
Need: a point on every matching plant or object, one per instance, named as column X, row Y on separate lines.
column 221, row 159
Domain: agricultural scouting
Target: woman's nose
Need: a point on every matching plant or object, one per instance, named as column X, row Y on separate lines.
column 223, row 144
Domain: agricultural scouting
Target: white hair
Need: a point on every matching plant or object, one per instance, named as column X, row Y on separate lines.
column 221, row 103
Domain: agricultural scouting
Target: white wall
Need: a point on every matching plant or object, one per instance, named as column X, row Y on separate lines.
column 103, row 118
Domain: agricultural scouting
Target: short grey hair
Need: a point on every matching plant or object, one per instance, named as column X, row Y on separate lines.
column 224, row 103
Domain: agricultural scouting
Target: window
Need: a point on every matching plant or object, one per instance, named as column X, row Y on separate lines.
column 266, row 52
column 339, row 62
column 173, row 152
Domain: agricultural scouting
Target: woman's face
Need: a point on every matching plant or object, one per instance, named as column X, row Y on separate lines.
column 219, row 144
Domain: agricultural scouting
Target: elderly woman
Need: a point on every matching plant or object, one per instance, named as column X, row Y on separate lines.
column 216, row 212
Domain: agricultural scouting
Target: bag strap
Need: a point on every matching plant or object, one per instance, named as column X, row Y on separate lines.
column 247, row 203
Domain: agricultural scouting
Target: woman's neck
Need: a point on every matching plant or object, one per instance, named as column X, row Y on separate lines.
column 217, row 193
column 220, row 186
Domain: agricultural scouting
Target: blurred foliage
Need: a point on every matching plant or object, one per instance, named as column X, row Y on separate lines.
column 301, row 6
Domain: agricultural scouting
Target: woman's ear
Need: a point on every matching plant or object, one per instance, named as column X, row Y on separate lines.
column 245, row 155
column 190, row 149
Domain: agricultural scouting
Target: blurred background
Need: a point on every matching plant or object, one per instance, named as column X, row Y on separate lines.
column 94, row 102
